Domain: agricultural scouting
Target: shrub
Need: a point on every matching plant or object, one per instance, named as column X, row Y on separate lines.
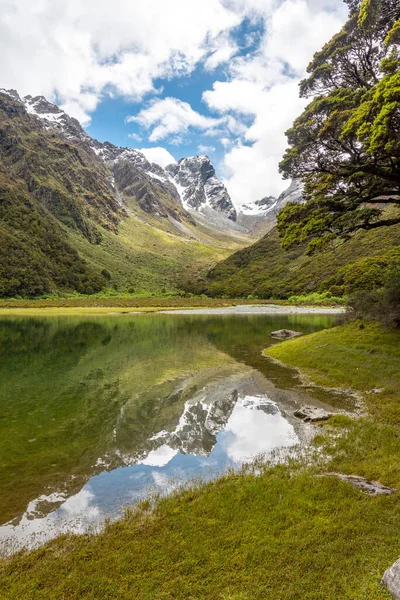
column 318, row 299
column 382, row 304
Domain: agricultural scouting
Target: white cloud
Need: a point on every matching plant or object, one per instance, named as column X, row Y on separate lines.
column 171, row 116
column 264, row 86
column 251, row 432
column 158, row 155
column 76, row 53
column 223, row 49
column 203, row 149
column 135, row 136
column 67, row 49
column 160, row 457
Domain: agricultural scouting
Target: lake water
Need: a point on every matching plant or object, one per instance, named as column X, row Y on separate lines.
column 95, row 413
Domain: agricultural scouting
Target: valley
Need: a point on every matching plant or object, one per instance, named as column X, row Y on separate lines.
column 200, row 300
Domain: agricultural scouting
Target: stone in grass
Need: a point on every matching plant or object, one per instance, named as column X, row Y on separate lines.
column 391, row 580
column 372, row 488
column 311, row 414
column 285, row 334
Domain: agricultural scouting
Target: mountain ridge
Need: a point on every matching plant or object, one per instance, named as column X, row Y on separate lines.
column 191, row 181
column 69, row 222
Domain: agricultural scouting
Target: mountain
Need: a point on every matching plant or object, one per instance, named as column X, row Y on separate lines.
column 199, row 187
column 259, row 207
column 79, row 215
column 261, row 214
column 191, row 182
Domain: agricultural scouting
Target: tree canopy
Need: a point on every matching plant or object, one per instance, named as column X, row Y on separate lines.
column 346, row 144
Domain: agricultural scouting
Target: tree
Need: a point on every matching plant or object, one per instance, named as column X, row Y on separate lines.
column 346, row 144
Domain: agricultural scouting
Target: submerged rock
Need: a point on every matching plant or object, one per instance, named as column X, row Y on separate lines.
column 312, row 414
column 391, row 580
column 285, row 334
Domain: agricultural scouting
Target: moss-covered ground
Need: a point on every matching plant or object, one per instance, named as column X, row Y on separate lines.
column 284, row 534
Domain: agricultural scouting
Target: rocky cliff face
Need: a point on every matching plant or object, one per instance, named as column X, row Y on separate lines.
column 199, row 187
column 260, row 207
column 53, row 118
column 294, row 194
column 37, row 146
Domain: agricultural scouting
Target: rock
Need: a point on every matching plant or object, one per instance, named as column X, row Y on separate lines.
column 285, row 334
column 372, row 488
column 312, row 414
column 391, row 580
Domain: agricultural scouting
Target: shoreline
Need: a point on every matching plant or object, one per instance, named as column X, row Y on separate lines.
column 272, row 309
column 105, row 311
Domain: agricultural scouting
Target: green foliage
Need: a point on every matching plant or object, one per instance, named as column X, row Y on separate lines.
column 393, row 37
column 346, row 144
column 317, row 299
column 266, row 270
column 382, row 304
column 368, row 274
column 65, row 177
column 35, row 259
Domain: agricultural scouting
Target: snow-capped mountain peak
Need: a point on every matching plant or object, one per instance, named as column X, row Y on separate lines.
column 199, row 187
column 54, row 117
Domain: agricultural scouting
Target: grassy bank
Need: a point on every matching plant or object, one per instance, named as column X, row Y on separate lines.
column 127, row 302
column 265, row 269
column 96, row 306
column 285, row 534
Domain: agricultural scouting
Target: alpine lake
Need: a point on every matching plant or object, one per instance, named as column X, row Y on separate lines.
column 96, row 413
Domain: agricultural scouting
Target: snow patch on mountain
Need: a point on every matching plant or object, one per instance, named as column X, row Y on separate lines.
column 260, row 207
column 270, row 206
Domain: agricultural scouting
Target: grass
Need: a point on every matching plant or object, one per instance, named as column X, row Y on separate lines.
column 282, row 535
column 150, row 256
column 364, row 357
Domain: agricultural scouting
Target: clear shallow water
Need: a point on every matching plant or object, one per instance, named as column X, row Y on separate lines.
column 97, row 412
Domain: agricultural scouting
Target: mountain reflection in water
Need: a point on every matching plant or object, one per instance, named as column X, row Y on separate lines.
column 98, row 412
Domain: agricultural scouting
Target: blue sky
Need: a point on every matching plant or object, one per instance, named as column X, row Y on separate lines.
column 179, row 77
column 108, row 121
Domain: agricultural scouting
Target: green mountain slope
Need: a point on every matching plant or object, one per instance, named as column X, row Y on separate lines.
column 266, row 270
column 68, row 223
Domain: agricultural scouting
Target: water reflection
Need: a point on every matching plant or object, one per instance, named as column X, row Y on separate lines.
column 252, row 426
column 93, row 412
